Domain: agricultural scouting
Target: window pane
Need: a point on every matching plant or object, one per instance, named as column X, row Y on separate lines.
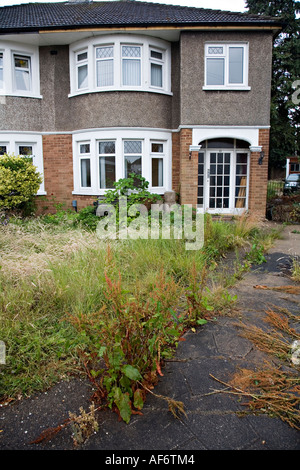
column 131, row 51
column 104, row 52
column 131, row 72
column 156, row 75
column 215, row 50
column 85, row 167
column 236, row 58
column 107, row 147
column 133, row 164
column 83, row 76
column 215, row 72
column 3, row 149
column 22, row 62
column 242, row 144
column 107, row 172
column 22, row 80
column 82, row 56
column 220, row 143
column 241, row 158
column 132, row 146
column 25, row 150
column 159, row 148
column 105, row 72
column 84, row 148
column 157, row 171
column 156, row 55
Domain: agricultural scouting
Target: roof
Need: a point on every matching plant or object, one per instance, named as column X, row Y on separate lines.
column 79, row 14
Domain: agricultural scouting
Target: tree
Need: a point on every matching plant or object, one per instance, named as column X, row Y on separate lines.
column 285, row 110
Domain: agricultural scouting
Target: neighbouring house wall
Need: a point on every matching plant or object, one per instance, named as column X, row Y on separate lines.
column 246, row 108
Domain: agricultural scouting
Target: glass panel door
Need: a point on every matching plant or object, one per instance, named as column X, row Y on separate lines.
column 219, row 180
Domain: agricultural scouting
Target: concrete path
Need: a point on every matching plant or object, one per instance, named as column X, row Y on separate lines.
column 212, row 421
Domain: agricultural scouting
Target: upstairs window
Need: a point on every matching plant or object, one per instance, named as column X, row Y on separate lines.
column 19, row 70
column 22, row 73
column 120, row 62
column 226, row 66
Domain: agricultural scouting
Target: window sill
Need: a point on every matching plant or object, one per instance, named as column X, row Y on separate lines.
column 110, row 89
column 218, row 88
column 20, row 95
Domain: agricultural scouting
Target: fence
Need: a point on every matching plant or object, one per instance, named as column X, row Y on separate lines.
column 275, row 188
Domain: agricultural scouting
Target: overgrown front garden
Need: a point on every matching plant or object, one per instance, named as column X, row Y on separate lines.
column 73, row 304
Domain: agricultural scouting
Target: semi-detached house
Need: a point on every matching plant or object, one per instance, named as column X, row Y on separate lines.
column 181, row 95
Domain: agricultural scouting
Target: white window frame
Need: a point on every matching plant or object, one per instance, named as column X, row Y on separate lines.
column 117, row 41
column 158, row 155
column 103, row 155
column 157, row 61
column 119, row 135
column 84, row 156
column 13, row 141
column 225, row 56
column 79, row 64
column 10, row 51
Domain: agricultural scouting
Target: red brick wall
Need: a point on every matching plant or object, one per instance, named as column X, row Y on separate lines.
column 188, row 169
column 58, row 174
column 259, row 177
column 176, row 162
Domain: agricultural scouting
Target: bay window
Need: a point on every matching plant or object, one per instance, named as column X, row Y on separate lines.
column 120, row 62
column 104, row 156
column 226, row 66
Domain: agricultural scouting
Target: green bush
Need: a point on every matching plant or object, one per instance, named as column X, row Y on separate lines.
column 19, row 181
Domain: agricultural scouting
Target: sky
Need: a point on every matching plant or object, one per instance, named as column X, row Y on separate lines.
column 231, row 5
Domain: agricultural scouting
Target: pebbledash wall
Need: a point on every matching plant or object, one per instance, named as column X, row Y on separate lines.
column 183, row 118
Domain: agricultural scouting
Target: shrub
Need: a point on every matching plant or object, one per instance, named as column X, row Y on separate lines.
column 19, row 181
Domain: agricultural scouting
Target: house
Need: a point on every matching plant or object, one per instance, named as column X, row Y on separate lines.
column 181, row 95
column 292, row 165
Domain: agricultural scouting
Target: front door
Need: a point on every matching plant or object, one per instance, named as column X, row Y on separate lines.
column 222, row 180
column 218, row 179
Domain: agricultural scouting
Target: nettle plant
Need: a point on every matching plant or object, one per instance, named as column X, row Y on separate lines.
column 19, row 181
